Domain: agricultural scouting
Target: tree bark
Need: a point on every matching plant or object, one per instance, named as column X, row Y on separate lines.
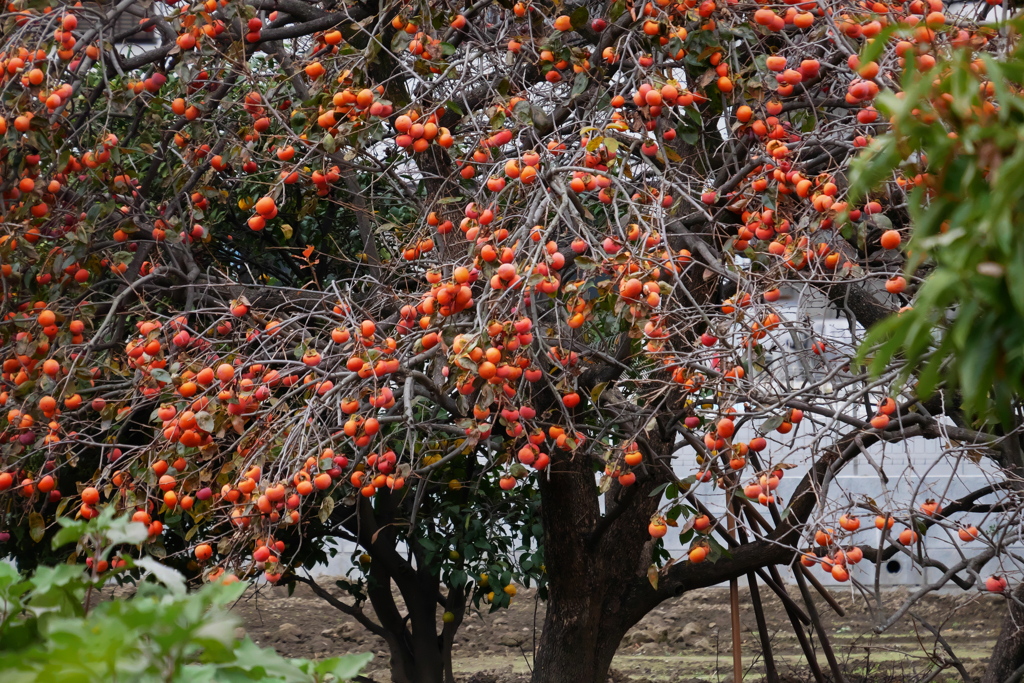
column 418, row 652
column 1008, row 653
column 586, row 614
column 568, row 649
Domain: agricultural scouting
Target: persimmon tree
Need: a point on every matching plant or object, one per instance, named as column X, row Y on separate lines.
column 496, row 291
column 110, row 451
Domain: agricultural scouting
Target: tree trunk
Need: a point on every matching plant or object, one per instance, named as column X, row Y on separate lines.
column 1008, row 653
column 407, row 668
column 579, row 641
column 586, row 616
column 417, row 656
column 426, row 644
column 402, row 663
column 417, row 651
column 568, row 648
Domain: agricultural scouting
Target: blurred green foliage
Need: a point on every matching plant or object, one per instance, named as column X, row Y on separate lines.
column 54, row 626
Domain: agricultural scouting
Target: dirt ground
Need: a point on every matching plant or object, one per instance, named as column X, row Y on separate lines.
column 684, row 640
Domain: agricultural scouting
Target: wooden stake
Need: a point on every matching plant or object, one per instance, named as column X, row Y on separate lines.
column 734, row 605
column 737, row 643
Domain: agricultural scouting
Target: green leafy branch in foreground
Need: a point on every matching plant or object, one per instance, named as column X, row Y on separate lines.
column 956, row 145
column 49, row 632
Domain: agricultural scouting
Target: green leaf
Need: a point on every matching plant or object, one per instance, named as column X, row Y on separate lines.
column 205, row 421
column 873, row 49
column 717, row 550
column 71, row 531
column 771, row 424
column 657, row 490
column 161, row 375
column 170, row 578
column 345, row 667
column 123, row 529
column 579, row 17
column 579, row 84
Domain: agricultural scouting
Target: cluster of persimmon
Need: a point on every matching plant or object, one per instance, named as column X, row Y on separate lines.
column 351, row 105
column 266, row 209
column 662, row 24
column 198, row 22
column 422, row 44
column 447, row 299
column 531, row 453
column 885, row 409
column 622, row 466
column 203, row 398
column 801, row 17
column 248, row 500
column 720, row 445
column 836, row 560
column 32, row 365
column 763, row 488
column 652, row 101
column 29, row 67
column 525, row 169
column 415, row 135
column 63, row 39
column 266, row 557
column 500, row 360
column 599, row 160
column 702, row 526
column 32, row 197
column 500, row 357
column 553, row 65
column 831, row 558
column 428, row 48
column 718, row 441
column 377, row 473
column 768, row 125
column 767, row 230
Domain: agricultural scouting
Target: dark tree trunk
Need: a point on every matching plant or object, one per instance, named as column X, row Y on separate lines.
column 412, row 658
column 579, row 641
column 587, row 574
column 419, row 654
column 1008, row 653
